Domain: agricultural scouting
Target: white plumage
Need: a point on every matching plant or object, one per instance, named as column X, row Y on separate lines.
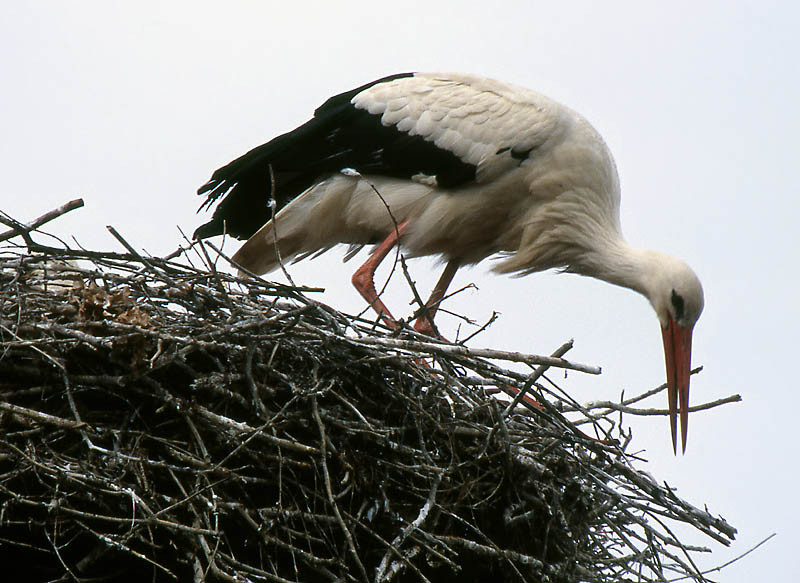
column 469, row 168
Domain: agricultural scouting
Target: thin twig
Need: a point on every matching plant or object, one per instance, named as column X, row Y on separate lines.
column 273, row 205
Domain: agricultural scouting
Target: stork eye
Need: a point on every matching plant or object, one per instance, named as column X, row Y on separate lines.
column 677, row 303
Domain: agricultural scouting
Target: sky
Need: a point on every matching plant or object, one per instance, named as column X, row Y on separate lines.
column 132, row 105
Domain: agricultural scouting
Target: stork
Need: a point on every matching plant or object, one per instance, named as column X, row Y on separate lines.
column 458, row 166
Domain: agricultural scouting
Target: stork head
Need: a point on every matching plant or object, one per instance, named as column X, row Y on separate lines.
column 677, row 297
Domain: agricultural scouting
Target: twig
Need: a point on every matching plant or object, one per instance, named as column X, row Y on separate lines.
column 453, row 350
column 42, row 417
column 535, row 376
column 649, row 412
column 738, row 557
column 329, row 490
column 398, row 256
column 19, row 229
column 273, row 205
column 136, row 254
column 637, row 398
column 416, row 523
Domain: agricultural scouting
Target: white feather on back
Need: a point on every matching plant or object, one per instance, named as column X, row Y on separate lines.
column 470, row 116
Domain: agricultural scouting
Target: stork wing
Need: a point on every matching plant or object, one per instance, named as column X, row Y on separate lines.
column 485, row 123
column 445, row 130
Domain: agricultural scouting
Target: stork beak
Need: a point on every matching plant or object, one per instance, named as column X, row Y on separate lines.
column 678, row 356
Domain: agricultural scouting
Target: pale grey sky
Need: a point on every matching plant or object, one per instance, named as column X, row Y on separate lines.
column 132, row 106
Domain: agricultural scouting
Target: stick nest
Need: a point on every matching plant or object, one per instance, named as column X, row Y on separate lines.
column 164, row 421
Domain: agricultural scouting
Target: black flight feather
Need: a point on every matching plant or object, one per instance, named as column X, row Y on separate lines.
column 338, row 136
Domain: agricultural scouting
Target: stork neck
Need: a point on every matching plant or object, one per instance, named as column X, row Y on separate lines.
column 618, row 263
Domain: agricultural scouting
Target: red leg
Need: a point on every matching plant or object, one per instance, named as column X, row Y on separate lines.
column 363, row 281
column 424, row 323
column 364, row 277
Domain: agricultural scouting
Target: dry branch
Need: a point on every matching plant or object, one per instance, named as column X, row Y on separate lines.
column 22, row 230
column 161, row 421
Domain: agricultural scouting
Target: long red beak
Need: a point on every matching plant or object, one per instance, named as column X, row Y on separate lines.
column 678, row 355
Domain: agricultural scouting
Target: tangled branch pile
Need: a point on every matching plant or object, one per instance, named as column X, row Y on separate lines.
column 160, row 421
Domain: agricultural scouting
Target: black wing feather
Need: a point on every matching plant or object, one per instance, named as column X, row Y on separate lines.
column 338, row 136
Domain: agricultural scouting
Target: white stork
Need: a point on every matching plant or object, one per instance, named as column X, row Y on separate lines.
column 469, row 168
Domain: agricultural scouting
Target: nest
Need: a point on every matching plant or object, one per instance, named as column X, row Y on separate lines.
column 162, row 420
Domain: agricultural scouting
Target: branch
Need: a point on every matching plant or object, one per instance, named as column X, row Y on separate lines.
column 42, row 417
column 329, row 490
column 22, row 230
column 452, row 350
column 647, row 412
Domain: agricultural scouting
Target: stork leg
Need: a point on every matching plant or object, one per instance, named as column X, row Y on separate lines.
column 424, row 323
column 364, row 277
column 364, row 281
